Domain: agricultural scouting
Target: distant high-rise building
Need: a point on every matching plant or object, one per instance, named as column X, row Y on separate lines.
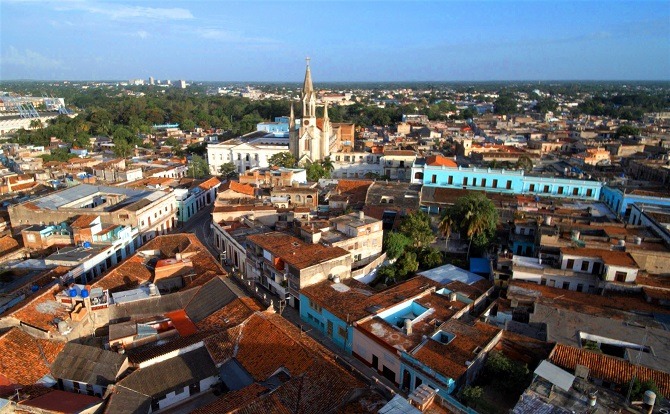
column 182, row 84
column 151, row 80
column 169, row 82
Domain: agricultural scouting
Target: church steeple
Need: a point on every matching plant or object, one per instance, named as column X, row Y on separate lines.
column 308, row 95
column 291, row 119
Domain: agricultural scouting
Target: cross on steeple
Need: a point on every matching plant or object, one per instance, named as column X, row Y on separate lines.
column 307, row 59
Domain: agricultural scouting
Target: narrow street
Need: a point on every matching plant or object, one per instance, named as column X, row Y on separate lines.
column 199, row 225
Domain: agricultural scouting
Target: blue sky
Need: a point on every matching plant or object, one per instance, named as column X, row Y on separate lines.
column 346, row 40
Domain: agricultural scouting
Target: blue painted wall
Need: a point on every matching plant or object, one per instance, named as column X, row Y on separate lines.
column 319, row 319
column 510, row 182
column 619, row 202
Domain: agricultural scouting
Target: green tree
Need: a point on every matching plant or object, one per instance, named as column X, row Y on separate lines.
column 406, row 264
column 416, row 226
column 505, row 105
column 386, row 275
column 122, row 148
column 638, row 388
column 283, row 159
column 395, row 244
column 198, row 167
column 429, row 258
column 327, row 165
column 475, row 217
column 626, row 131
column 315, row 172
column 504, row 373
column 187, row 125
column 228, row 171
column 545, row 105
column 525, row 163
column 471, row 395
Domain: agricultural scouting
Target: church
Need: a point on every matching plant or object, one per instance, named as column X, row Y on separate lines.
column 312, row 139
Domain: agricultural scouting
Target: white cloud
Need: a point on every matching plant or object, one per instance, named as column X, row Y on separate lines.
column 29, row 59
column 231, row 36
column 122, row 12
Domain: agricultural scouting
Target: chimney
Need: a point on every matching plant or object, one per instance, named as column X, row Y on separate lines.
column 408, row 326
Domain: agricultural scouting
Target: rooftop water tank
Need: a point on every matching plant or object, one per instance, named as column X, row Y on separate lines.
column 84, row 293
column 87, row 245
column 72, row 292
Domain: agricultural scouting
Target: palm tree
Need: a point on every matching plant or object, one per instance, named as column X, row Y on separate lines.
column 473, row 215
column 445, row 227
column 327, row 164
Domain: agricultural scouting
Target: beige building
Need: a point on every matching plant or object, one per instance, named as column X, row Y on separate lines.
column 285, row 264
column 152, row 213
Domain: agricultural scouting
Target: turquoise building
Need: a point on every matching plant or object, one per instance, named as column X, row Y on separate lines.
column 620, row 202
column 506, row 181
column 337, row 330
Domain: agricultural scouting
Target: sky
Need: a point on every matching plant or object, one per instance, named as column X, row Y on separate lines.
column 347, row 41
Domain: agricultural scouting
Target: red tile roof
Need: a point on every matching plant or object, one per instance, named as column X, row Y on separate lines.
column 210, row 183
column 450, row 359
column 294, row 251
column 7, row 244
column 238, row 188
column 40, row 310
column 230, row 315
column 609, row 257
column 84, row 220
column 59, row 401
column 439, row 160
column 182, row 322
column 23, row 359
column 608, row 368
column 134, row 272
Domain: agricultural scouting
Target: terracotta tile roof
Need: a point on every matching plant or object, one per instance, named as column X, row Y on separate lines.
column 352, row 304
column 609, row 257
column 611, row 305
column 22, row 357
column 608, row 368
column 450, row 359
column 134, row 272
column 294, row 251
column 210, row 183
column 7, row 244
column 230, row 315
column 84, row 220
column 355, row 189
column 182, row 322
column 59, row 401
column 40, row 310
column 254, row 398
column 439, row 160
column 238, row 188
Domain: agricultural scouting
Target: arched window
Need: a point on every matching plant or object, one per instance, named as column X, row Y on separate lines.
column 298, row 198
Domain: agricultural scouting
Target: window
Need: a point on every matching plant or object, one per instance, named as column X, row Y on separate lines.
column 589, row 193
column 329, row 328
column 575, row 191
column 531, row 188
column 495, row 183
column 585, row 266
column 620, row 276
column 566, row 285
column 465, row 180
column 179, row 391
column 546, row 188
column 509, row 184
column 580, row 287
column 474, row 182
column 451, row 180
column 571, row 264
column 483, row 182
column 560, row 190
column 433, row 179
column 314, row 306
column 342, row 331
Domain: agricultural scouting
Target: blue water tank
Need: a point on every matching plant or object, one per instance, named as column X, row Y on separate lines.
column 87, row 245
column 84, row 293
column 34, row 288
column 72, row 292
